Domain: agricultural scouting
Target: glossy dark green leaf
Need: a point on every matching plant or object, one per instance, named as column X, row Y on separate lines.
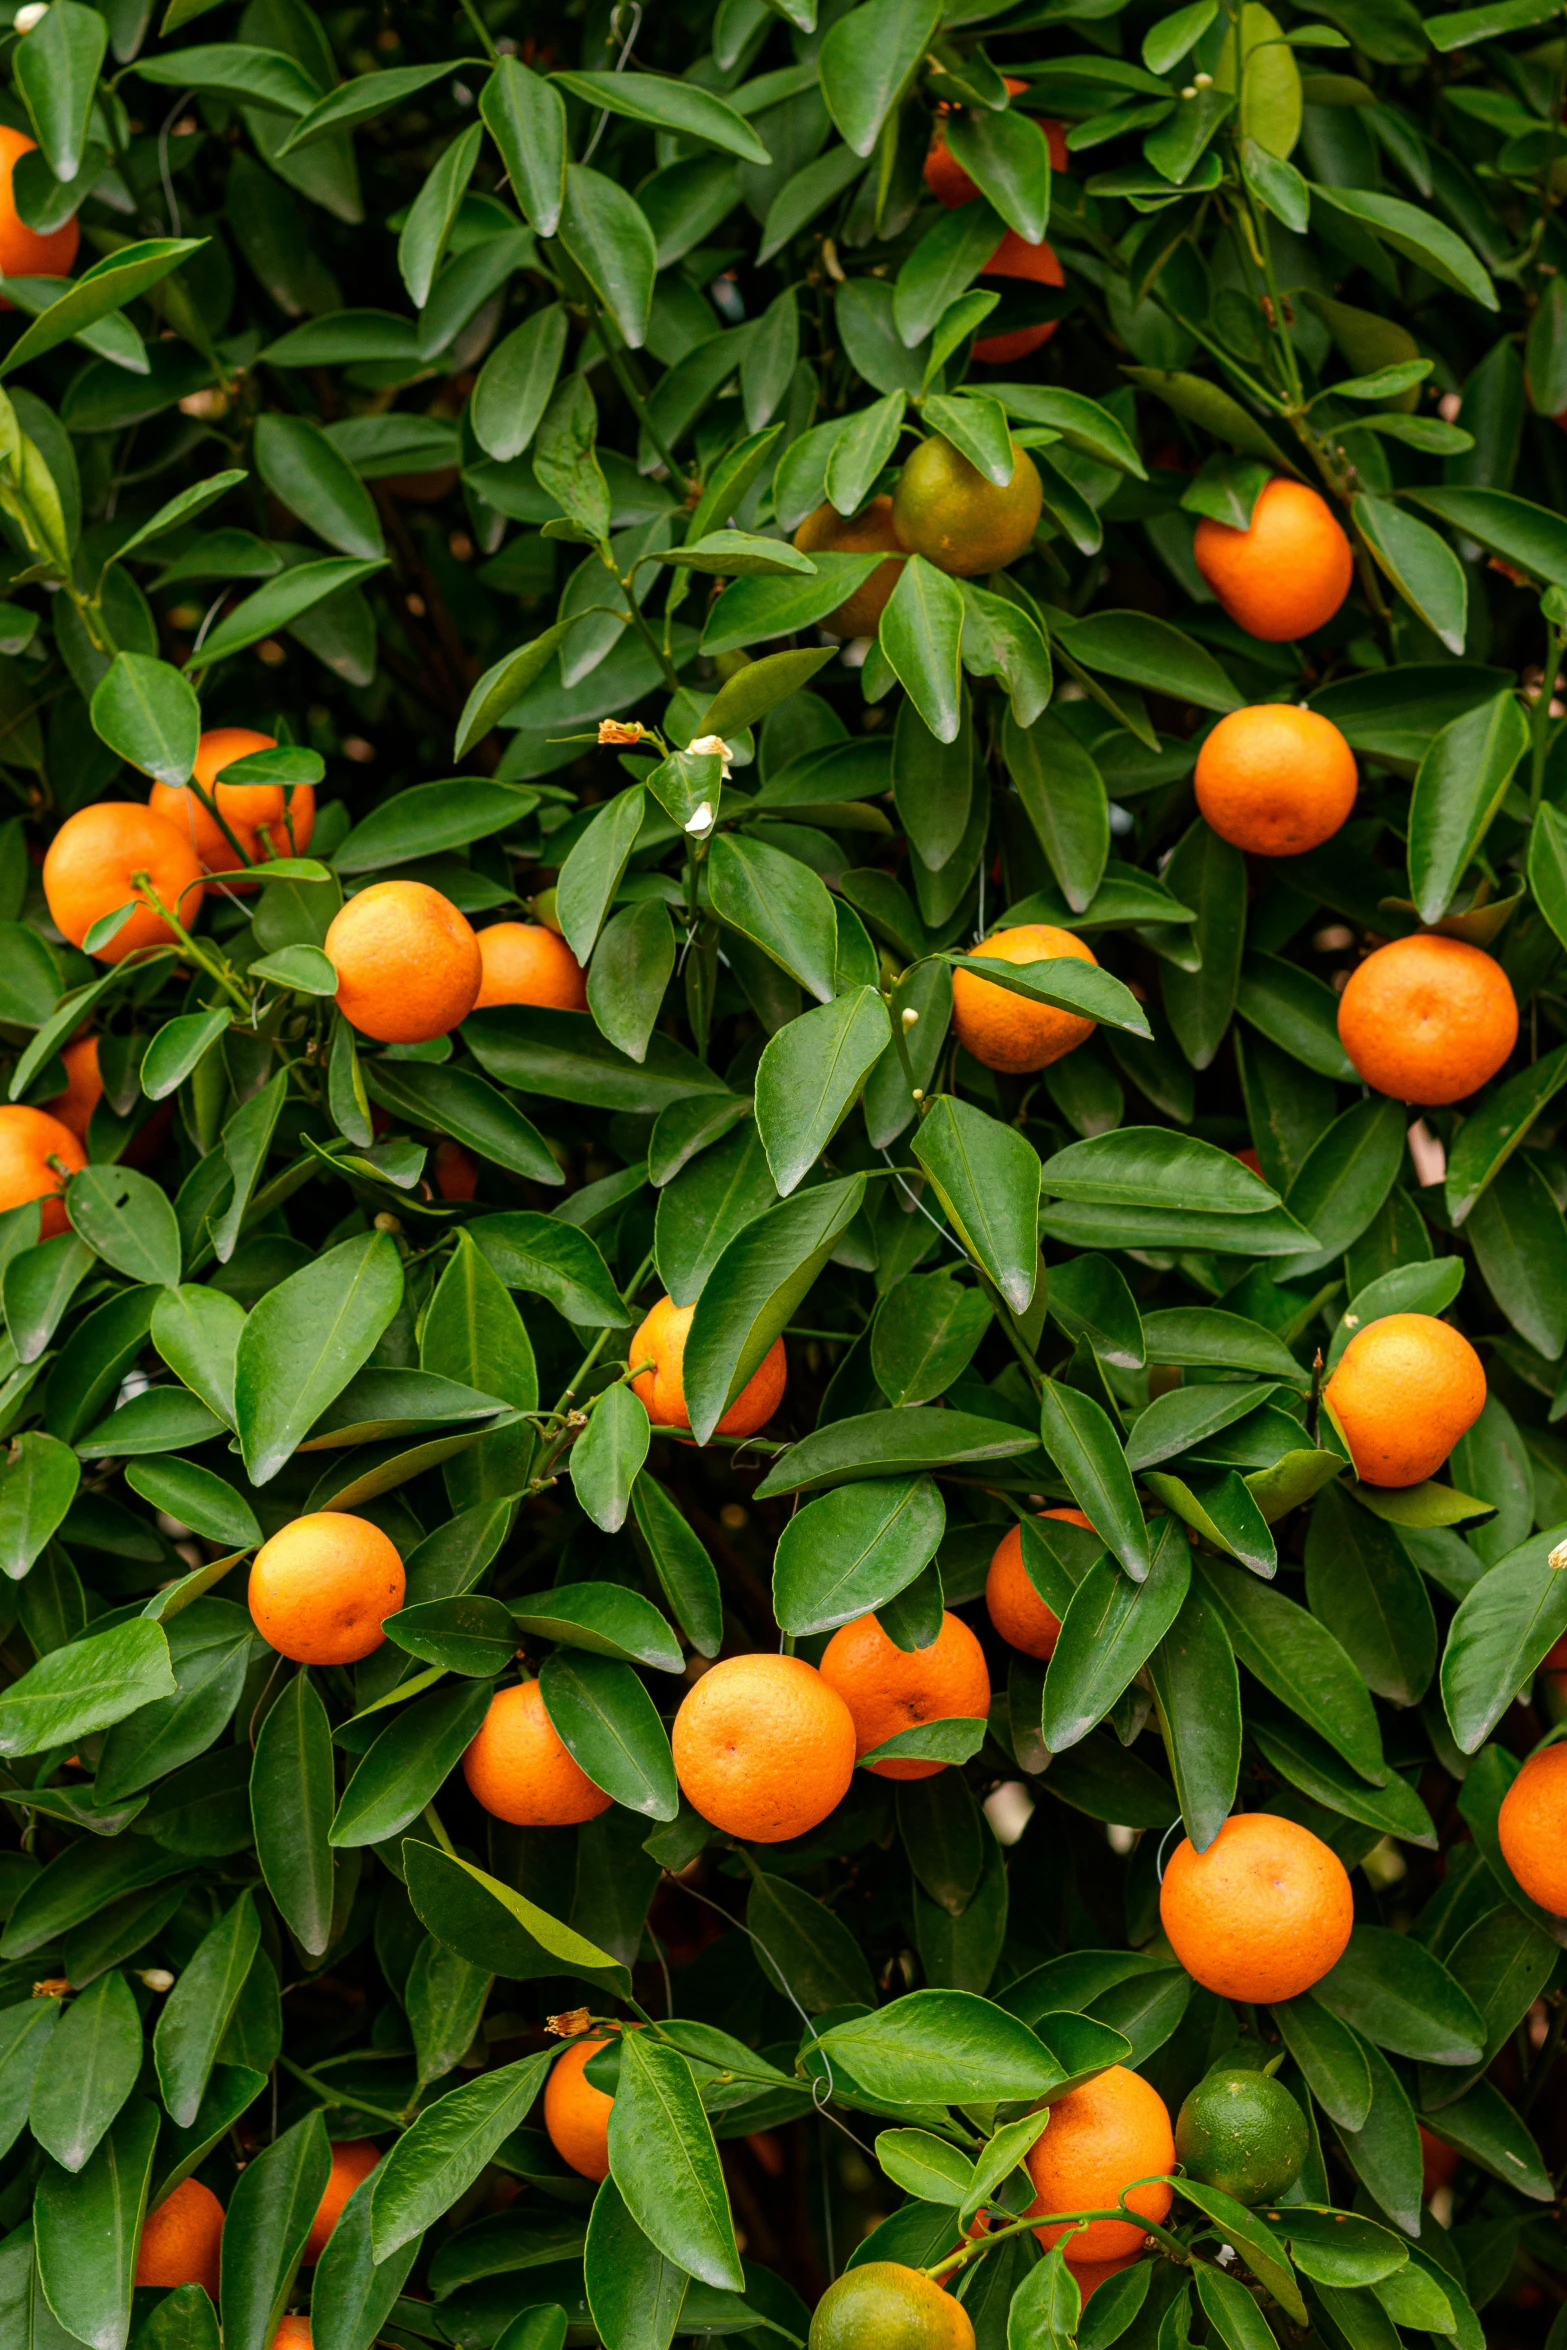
column 847, row 1553
column 95, row 2058
column 864, row 65
column 38, row 1481
column 268, row 2220
column 634, row 2292
column 663, row 2160
column 292, row 1798
column 353, row 2295
column 1360, row 1583
column 753, row 1291
column 986, row 1176
column 1392, row 1991
column 1197, row 1691
column 407, row 1765
column 1110, row 1630
column 608, row 1722
column 1078, row 1435
column 1209, row 875
column 605, row 1619
column 810, row 1076
column 76, row 1690
column 925, row 1334
column 1299, row 1661
column 305, row 1340
column 1498, row 1637
column 685, row 1572
column 85, row 2228
column 921, row 631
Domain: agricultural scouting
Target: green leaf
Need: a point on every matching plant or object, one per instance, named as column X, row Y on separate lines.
column 925, row 2166
column 606, row 1619
column 1331, row 2059
column 942, row 266
column 305, row 1340
column 634, row 2293
column 1462, row 782
column 1417, row 235
column 1390, row 1989
column 1499, row 1635
column 408, row 1764
column 987, row 1178
column 932, row 2046
column 663, row 2160
column 854, row 1549
column 802, row 1948
column 85, row 2228
column 513, row 391
column 683, row 108
column 1109, row 1632
column 1064, row 796
column 892, row 1444
column 1420, row 565
column 555, row 1261
column 353, row 2295
column 591, row 873
column 437, row 2160
column 1008, row 159
column 810, row 1076
column 38, row 1481
column 1149, row 652
column 1528, row 536
column 129, row 1221
column 196, row 2013
column 1077, row 1434
column 56, row 68
column 107, row 286
column 685, row 1573
column 95, row 2060
column 607, row 1455
column 84, row 1687
column 606, row 233
column 526, row 117
column 499, row 1930
column 1197, row 1691
column 753, row 1291
column 292, row 1794
column 148, row 712
column 607, row 1721
column 867, row 61
column 752, row 610
column 279, row 605
column 921, row 632
column 925, row 1335
column 1299, row 1661
column 269, row 2217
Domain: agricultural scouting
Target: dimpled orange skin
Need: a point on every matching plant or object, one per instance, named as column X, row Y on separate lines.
column 1275, row 780
column 1113, row 2129
column 1006, row 1031
column 1038, row 265
column 869, row 532
column 763, row 1747
column 408, row 964
column 89, row 869
column 23, row 252
column 1023, row 1619
column 523, row 963
column 1404, row 1390
column 293, row 2333
column 519, row 1769
column 1428, row 1019
column 83, row 1087
column 1262, row 1914
column 576, row 2114
column 1285, row 575
column 29, row 1139
column 888, row 1689
column 182, row 2239
column 320, row 1588
column 1532, row 1825
column 662, row 1336
column 353, row 2159
column 263, row 819
column 945, row 509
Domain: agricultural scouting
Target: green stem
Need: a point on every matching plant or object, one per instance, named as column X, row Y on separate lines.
column 627, row 382
column 1540, row 717
column 603, row 1338
column 470, row 10
column 978, row 2246
column 330, row 2096
column 432, row 1820
column 197, row 954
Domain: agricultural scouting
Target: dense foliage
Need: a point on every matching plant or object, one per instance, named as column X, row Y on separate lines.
column 426, row 391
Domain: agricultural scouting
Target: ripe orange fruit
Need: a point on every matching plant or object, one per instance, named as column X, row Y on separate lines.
column 867, row 533
column 1007, row 1031
column 1288, row 572
column 1438, row 2164
column 764, row 1747
column 456, row 1171
column 523, row 963
column 408, row 964
column 264, row 819
column 1428, row 1019
column 1023, row 1619
column 1403, row 1392
column 90, row 871
column 83, row 1087
column 181, row 2239
column 661, row 1336
column 881, row 2305
column 887, row 1688
column 945, row 509
column 1532, row 1824
column 29, row 1139
column 576, row 2114
column 1038, row 265
column 23, row 251
column 1263, row 1913
column 320, row 1588
column 1113, row 2129
column 293, row 2333
column 519, row 1769
column 1091, row 2274
column 1275, row 780
column 353, row 2159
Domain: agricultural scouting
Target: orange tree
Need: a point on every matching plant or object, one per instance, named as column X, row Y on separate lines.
column 781, row 1219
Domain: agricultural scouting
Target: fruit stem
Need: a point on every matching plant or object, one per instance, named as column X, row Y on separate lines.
column 979, row 2245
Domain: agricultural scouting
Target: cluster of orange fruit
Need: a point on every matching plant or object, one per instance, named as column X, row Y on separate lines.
column 182, row 2237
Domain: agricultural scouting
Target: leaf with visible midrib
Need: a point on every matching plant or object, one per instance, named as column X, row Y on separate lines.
column 304, row 1341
